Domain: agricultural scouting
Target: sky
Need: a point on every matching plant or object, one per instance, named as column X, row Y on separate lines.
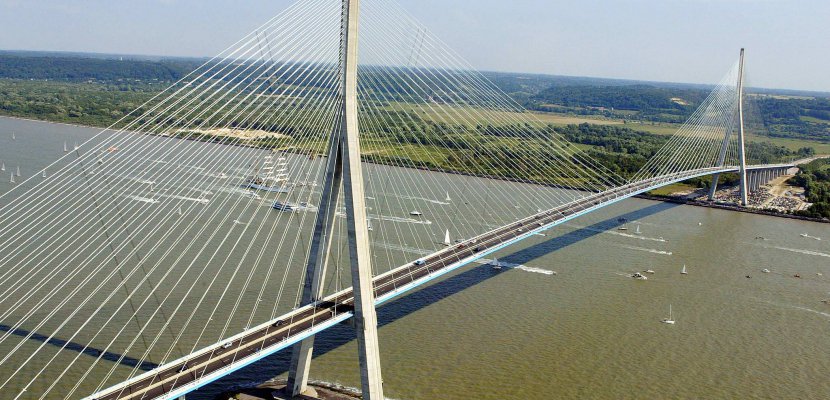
column 696, row 41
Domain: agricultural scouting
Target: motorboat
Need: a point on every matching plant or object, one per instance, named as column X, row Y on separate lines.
column 415, row 213
column 639, row 276
column 495, row 263
column 765, row 270
column 649, row 271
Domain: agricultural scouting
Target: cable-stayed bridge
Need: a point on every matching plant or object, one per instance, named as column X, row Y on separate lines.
column 293, row 182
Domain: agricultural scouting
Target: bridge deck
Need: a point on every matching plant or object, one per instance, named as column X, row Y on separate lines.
column 186, row 374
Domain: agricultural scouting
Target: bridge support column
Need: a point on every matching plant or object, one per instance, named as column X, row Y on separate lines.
column 722, row 157
column 741, row 149
column 344, row 160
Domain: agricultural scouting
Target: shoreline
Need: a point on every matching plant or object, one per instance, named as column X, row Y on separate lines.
column 730, row 207
column 645, row 196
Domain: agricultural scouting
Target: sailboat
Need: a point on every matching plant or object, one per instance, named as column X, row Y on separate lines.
column 76, row 146
column 12, row 179
column 13, row 136
column 448, row 197
column 369, row 224
column 18, row 171
column 270, row 176
column 638, row 229
column 65, row 149
column 43, row 174
column 683, row 271
column 668, row 320
column 447, row 241
column 3, row 166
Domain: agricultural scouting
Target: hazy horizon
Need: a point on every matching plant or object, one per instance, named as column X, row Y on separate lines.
column 676, row 41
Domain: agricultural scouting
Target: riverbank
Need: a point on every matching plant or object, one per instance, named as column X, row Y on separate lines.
column 324, row 391
column 730, row 207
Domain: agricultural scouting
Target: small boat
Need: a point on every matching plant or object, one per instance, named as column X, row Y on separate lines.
column 112, row 149
column 13, row 136
column 283, row 207
column 17, row 173
column 683, row 271
column 495, row 263
column 447, row 241
column 43, row 173
column 797, row 276
column 622, row 228
column 3, row 166
column 638, row 229
column 639, row 276
column 700, row 224
column 415, row 213
column 12, row 179
column 649, row 271
column 765, row 270
column 369, row 225
column 289, row 207
column 448, row 197
column 826, row 301
column 65, row 149
column 670, row 319
column 76, row 146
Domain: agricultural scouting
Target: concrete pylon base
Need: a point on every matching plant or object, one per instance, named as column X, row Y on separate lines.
column 282, row 394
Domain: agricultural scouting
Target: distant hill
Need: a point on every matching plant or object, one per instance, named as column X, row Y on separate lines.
column 84, row 67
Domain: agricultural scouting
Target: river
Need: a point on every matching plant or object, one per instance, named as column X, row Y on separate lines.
column 589, row 331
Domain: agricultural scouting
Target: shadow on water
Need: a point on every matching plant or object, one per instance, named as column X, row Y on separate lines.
column 79, row 348
column 337, row 336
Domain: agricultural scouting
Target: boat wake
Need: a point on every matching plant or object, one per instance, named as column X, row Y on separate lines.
column 433, row 201
column 185, row 198
column 800, row 251
column 652, row 251
column 521, row 267
column 628, row 235
column 822, row 313
column 394, row 219
column 143, row 199
column 406, row 249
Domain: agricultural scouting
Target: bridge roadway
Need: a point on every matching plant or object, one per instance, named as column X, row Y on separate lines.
column 190, row 372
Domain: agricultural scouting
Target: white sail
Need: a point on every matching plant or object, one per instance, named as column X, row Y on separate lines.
column 18, row 171
column 3, row 167
column 683, row 271
column 12, row 179
column 670, row 319
column 447, row 238
column 448, row 197
column 65, row 149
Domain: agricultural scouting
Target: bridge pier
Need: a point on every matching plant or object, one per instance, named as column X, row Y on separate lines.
column 741, row 148
column 344, row 160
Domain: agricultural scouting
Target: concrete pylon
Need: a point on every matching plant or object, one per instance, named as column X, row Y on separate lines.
column 741, row 150
column 344, row 169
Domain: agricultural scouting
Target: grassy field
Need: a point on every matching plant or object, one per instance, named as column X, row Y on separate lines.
column 671, row 189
